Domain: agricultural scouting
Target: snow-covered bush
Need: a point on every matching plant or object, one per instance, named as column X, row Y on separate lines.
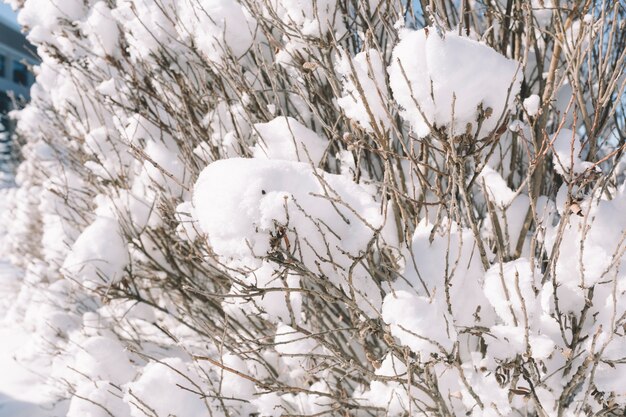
column 262, row 207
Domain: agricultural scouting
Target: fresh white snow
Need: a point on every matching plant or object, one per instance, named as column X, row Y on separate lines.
column 166, row 257
column 23, row 385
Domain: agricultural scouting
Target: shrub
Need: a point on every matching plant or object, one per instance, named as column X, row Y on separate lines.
column 338, row 207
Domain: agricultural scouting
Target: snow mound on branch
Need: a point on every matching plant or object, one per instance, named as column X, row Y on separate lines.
column 239, row 202
column 392, row 396
column 146, row 26
column 366, row 73
column 311, row 18
column 43, row 17
column 505, row 342
column 510, row 288
column 218, row 27
column 496, row 187
column 441, row 81
column 591, row 252
column 99, row 255
column 286, row 138
column 97, row 399
column 254, row 208
column 175, row 387
column 420, row 323
column 567, row 149
column 102, row 31
column 450, row 259
column 532, row 104
column 509, row 211
column 104, row 358
column 153, row 390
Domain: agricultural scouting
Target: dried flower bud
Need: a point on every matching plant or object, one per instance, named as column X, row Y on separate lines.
column 575, row 208
column 309, row 66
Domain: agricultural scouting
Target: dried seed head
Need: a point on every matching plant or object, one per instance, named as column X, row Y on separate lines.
column 389, row 339
column 309, row 66
column 372, row 359
column 575, row 208
column 567, row 353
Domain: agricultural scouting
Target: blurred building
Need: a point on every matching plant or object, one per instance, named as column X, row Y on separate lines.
column 17, row 56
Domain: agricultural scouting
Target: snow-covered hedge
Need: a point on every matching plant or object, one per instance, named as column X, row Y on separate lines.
column 296, row 207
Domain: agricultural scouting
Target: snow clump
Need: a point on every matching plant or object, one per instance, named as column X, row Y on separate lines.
column 451, row 81
column 532, row 104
